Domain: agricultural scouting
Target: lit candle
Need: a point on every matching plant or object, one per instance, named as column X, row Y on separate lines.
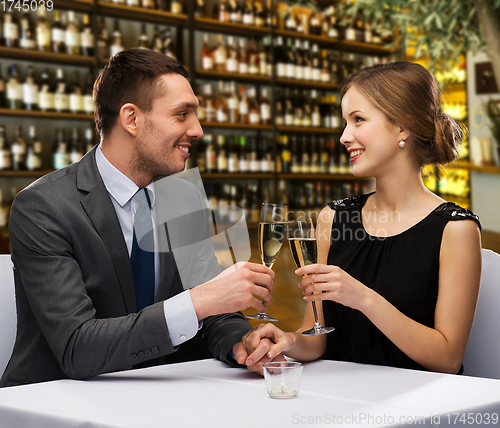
column 282, row 390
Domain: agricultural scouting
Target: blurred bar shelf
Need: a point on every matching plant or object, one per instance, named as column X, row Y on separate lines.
column 243, row 176
column 49, row 57
column 236, row 126
column 304, row 129
column 364, row 48
column 251, row 78
column 326, row 42
column 322, row 177
column 475, row 168
column 76, row 5
column 46, row 114
column 309, row 83
column 140, row 14
column 216, row 26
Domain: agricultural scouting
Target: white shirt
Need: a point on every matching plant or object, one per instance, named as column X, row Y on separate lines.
column 180, row 316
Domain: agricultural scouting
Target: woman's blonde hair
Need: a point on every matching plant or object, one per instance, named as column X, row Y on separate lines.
column 410, row 97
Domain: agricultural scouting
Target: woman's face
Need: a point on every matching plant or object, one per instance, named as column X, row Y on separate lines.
column 369, row 137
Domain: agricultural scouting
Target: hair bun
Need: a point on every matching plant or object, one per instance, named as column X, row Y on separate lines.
column 448, row 136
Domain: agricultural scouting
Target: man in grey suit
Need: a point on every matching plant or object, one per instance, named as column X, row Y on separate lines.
column 72, row 237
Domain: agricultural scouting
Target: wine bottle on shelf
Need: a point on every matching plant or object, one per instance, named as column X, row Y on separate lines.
column 281, row 58
column 265, row 57
column 243, row 60
column 10, row 30
column 298, row 108
column 235, row 14
column 75, row 94
column 18, row 149
column 265, row 108
column 221, row 11
column 199, row 9
column 143, row 41
column 290, row 64
column 306, row 61
column 247, row 13
column 306, row 156
column 286, row 156
column 315, row 24
column 307, row 110
column 220, row 54
column 325, row 67
column 73, row 39
column 89, row 139
column 367, row 29
column 259, row 14
column 163, row 5
column 58, row 34
column 221, row 110
column 221, row 154
column 253, row 155
column 5, row 151
column 232, row 158
column 359, row 27
column 279, row 114
column 27, row 40
column 87, row 37
column 209, row 102
column 233, row 103
column 299, row 60
column 290, row 21
column 116, row 42
column 3, row 89
column 61, row 95
column 244, row 107
column 331, row 22
column 296, row 164
column 333, row 167
column 207, row 57
column 288, row 112
column 315, row 63
column 253, row 107
column 324, row 157
column 87, row 99
column 270, row 17
column 315, row 156
column 148, row 4
column 243, row 164
column 211, row 154
column 76, row 147
column 33, row 151
column 168, row 44
column 14, row 89
column 156, row 43
column 60, row 152
column 45, row 92
column 232, row 56
column 253, row 58
column 133, row 3
column 117, row 1
column 103, row 40
column 30, row 90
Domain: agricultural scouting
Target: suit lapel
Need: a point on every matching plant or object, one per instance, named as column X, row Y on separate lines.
column 98, row 206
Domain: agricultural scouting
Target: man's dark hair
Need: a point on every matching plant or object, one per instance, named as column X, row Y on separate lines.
column 132, row 76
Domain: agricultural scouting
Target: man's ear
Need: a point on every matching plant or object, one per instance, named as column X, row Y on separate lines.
column 128, row 118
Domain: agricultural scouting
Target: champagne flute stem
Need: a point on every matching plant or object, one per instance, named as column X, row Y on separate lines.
column 315, row 312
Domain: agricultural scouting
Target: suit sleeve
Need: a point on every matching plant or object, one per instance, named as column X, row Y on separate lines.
column 42, row 235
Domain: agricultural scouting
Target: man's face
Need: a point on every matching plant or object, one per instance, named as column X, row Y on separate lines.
column 167, row 131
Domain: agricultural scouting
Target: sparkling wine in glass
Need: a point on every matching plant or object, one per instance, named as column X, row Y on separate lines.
column 302, row 240
column 271, row 232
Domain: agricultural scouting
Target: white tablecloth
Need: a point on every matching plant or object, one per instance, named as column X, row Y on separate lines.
column 210, row 394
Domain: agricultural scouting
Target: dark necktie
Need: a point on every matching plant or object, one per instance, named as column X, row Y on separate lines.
column 142, row 259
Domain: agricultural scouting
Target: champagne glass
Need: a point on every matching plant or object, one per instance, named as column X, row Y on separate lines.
column 272, row 223
column 302, row 240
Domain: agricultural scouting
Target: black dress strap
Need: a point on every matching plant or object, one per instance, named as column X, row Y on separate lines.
column 349, row 203
column 452, row 211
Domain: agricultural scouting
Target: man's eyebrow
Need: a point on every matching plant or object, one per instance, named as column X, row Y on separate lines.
column 185, row 105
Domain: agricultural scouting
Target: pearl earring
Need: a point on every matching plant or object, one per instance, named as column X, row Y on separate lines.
column 402, row 143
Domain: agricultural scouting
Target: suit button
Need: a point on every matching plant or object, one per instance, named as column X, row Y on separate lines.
column 140, row 354
column 155, row 350
column 183, row 337
column 148, row 352
column 134, row 357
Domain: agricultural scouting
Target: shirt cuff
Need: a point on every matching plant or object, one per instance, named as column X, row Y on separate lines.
column 182, row 322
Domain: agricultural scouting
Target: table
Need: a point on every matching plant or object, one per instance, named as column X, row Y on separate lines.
column 209, row 393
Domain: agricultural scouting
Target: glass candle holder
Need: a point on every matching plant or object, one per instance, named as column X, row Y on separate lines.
column 282, row 378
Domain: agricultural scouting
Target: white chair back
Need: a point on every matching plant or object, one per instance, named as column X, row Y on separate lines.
column 8, row 320
column 482, row 356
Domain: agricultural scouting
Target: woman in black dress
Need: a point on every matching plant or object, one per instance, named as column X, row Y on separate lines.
column 398, row 270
